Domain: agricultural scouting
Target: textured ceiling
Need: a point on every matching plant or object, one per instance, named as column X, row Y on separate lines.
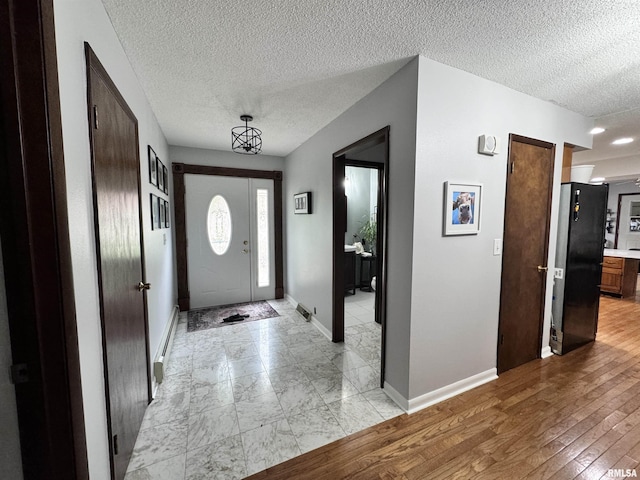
column 295, row 65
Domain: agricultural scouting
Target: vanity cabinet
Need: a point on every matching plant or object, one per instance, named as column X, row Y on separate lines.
column 619, row 276
column 350, row 272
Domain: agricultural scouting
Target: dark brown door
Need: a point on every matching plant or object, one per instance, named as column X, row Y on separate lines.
column 114, row 135
column 526, row 241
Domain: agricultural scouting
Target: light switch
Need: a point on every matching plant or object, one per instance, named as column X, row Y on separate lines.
column 497, row 246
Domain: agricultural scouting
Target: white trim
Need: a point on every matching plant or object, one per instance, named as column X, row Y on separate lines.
column 394, row 395
column 546, row 352
column 437, row 396
column 314, row 321
column 323, row 330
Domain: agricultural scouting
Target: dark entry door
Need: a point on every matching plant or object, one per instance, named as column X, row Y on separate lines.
column 526, row 241
column 114, row 135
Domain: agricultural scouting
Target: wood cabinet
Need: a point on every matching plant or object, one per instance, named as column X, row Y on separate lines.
column 350, row 272
column 619, row 276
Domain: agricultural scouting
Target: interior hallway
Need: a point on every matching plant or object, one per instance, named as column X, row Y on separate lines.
column 244, row 397
column 574, row 416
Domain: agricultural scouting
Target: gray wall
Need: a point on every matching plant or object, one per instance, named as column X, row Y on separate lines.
column 309, row 237
column 358, row 192
column 10, row 460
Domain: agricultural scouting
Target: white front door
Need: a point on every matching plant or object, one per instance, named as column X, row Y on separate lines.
column 230, row 247
column 629, row 226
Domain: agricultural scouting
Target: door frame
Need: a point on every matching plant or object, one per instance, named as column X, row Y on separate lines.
column 179, row 170
column 538, row 143
column 340, row 161
column 36, row 247
column 620, row 195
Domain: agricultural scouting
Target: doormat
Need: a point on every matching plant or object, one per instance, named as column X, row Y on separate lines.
column 212, row 317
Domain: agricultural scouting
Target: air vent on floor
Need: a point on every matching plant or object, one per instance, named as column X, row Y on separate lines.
column 302, row 310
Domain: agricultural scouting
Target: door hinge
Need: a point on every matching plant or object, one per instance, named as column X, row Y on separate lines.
column 512, row 167
column 19, row 373
column 501, row 339
column 95, row 117
column 115, row 444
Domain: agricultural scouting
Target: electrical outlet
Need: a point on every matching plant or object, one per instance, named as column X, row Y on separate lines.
column 558, row 273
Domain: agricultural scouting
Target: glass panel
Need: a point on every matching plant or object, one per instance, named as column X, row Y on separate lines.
column 262, row 207
column 219, row 225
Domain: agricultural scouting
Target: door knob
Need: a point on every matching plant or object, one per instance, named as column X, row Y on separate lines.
column 246, row 242
column 245, row 251
column 143, row 286
column 542, row 269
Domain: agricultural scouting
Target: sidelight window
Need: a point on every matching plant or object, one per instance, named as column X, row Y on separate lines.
column 219, row 225
column 262, row 208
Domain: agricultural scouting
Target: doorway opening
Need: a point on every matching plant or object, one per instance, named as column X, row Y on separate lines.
column 360, row 220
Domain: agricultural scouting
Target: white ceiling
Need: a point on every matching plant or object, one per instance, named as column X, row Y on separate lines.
column 295, row 65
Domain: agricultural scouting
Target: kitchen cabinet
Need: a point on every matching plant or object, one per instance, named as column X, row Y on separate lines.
column 619, row 276
column 350, row 272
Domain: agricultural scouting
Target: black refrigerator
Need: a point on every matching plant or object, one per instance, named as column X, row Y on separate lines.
column 578, row 265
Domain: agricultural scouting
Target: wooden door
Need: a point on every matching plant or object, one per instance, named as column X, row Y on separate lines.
column 526, row 241
column 114, row 136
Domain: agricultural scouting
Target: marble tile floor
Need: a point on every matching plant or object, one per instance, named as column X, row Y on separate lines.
column 241, row 398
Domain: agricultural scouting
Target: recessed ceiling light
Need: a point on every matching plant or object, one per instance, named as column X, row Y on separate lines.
column 596, row 130
column 597, row 180
column 622, row 141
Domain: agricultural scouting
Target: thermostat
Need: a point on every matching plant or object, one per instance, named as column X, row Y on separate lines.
column 488, row 145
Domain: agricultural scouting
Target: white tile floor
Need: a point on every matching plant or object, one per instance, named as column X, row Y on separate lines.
column 241, row 398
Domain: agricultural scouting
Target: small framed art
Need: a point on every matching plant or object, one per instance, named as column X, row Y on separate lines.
column 462, row 203
column 153, row 167
column 161, row 170
column 302, row 203
column 166, row 214
column 155, row 212
column 165, row 179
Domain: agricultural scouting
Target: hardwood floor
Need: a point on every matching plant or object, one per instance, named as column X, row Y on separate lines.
column 575, row 416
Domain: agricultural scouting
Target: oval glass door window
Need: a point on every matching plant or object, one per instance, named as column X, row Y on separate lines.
column 219, row 225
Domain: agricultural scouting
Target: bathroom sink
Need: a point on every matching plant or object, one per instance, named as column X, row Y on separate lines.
column 349, row 248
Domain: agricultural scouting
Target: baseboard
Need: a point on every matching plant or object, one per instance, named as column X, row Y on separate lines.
column 314, row 321
column 437, row 396
column 394, row 395
column 164, row 350
column 546, row 352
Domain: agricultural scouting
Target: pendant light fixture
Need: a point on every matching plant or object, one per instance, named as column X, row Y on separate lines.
column 246, row 139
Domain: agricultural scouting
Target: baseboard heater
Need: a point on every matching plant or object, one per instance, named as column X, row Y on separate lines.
column 162, row 357
column 304, row 311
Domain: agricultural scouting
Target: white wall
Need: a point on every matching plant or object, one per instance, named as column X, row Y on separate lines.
column 218, row 158
column 309, row 237
column 10, row 459
column 358, row 191
column 456, row 280
column 78, row 21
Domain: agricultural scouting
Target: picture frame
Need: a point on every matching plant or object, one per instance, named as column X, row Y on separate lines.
column 166, row 214
column 153, row 166
column 462, row 208
column 161, row 169
column 162, row 211
column 165, row 179
column 155, row 212
column 302, row 203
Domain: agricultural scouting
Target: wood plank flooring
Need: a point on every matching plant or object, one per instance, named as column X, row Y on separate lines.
column 575, row 416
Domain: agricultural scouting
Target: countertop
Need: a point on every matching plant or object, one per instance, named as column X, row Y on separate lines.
column 610, row 252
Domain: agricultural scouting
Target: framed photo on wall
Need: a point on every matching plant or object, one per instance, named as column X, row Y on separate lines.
column 155, row 212
column 161, row 209
column 153, row 167
column 160, row 168
column 165, row 179
column 462, row 202
column 166, row 214
column 302, row 203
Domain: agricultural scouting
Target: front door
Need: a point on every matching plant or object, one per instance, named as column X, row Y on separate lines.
column 230, row 247
column 628, row 233
column 116, row 170
column 524, row 260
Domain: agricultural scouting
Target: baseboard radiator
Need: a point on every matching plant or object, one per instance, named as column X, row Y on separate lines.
column 162, row 357
column 304, row 311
